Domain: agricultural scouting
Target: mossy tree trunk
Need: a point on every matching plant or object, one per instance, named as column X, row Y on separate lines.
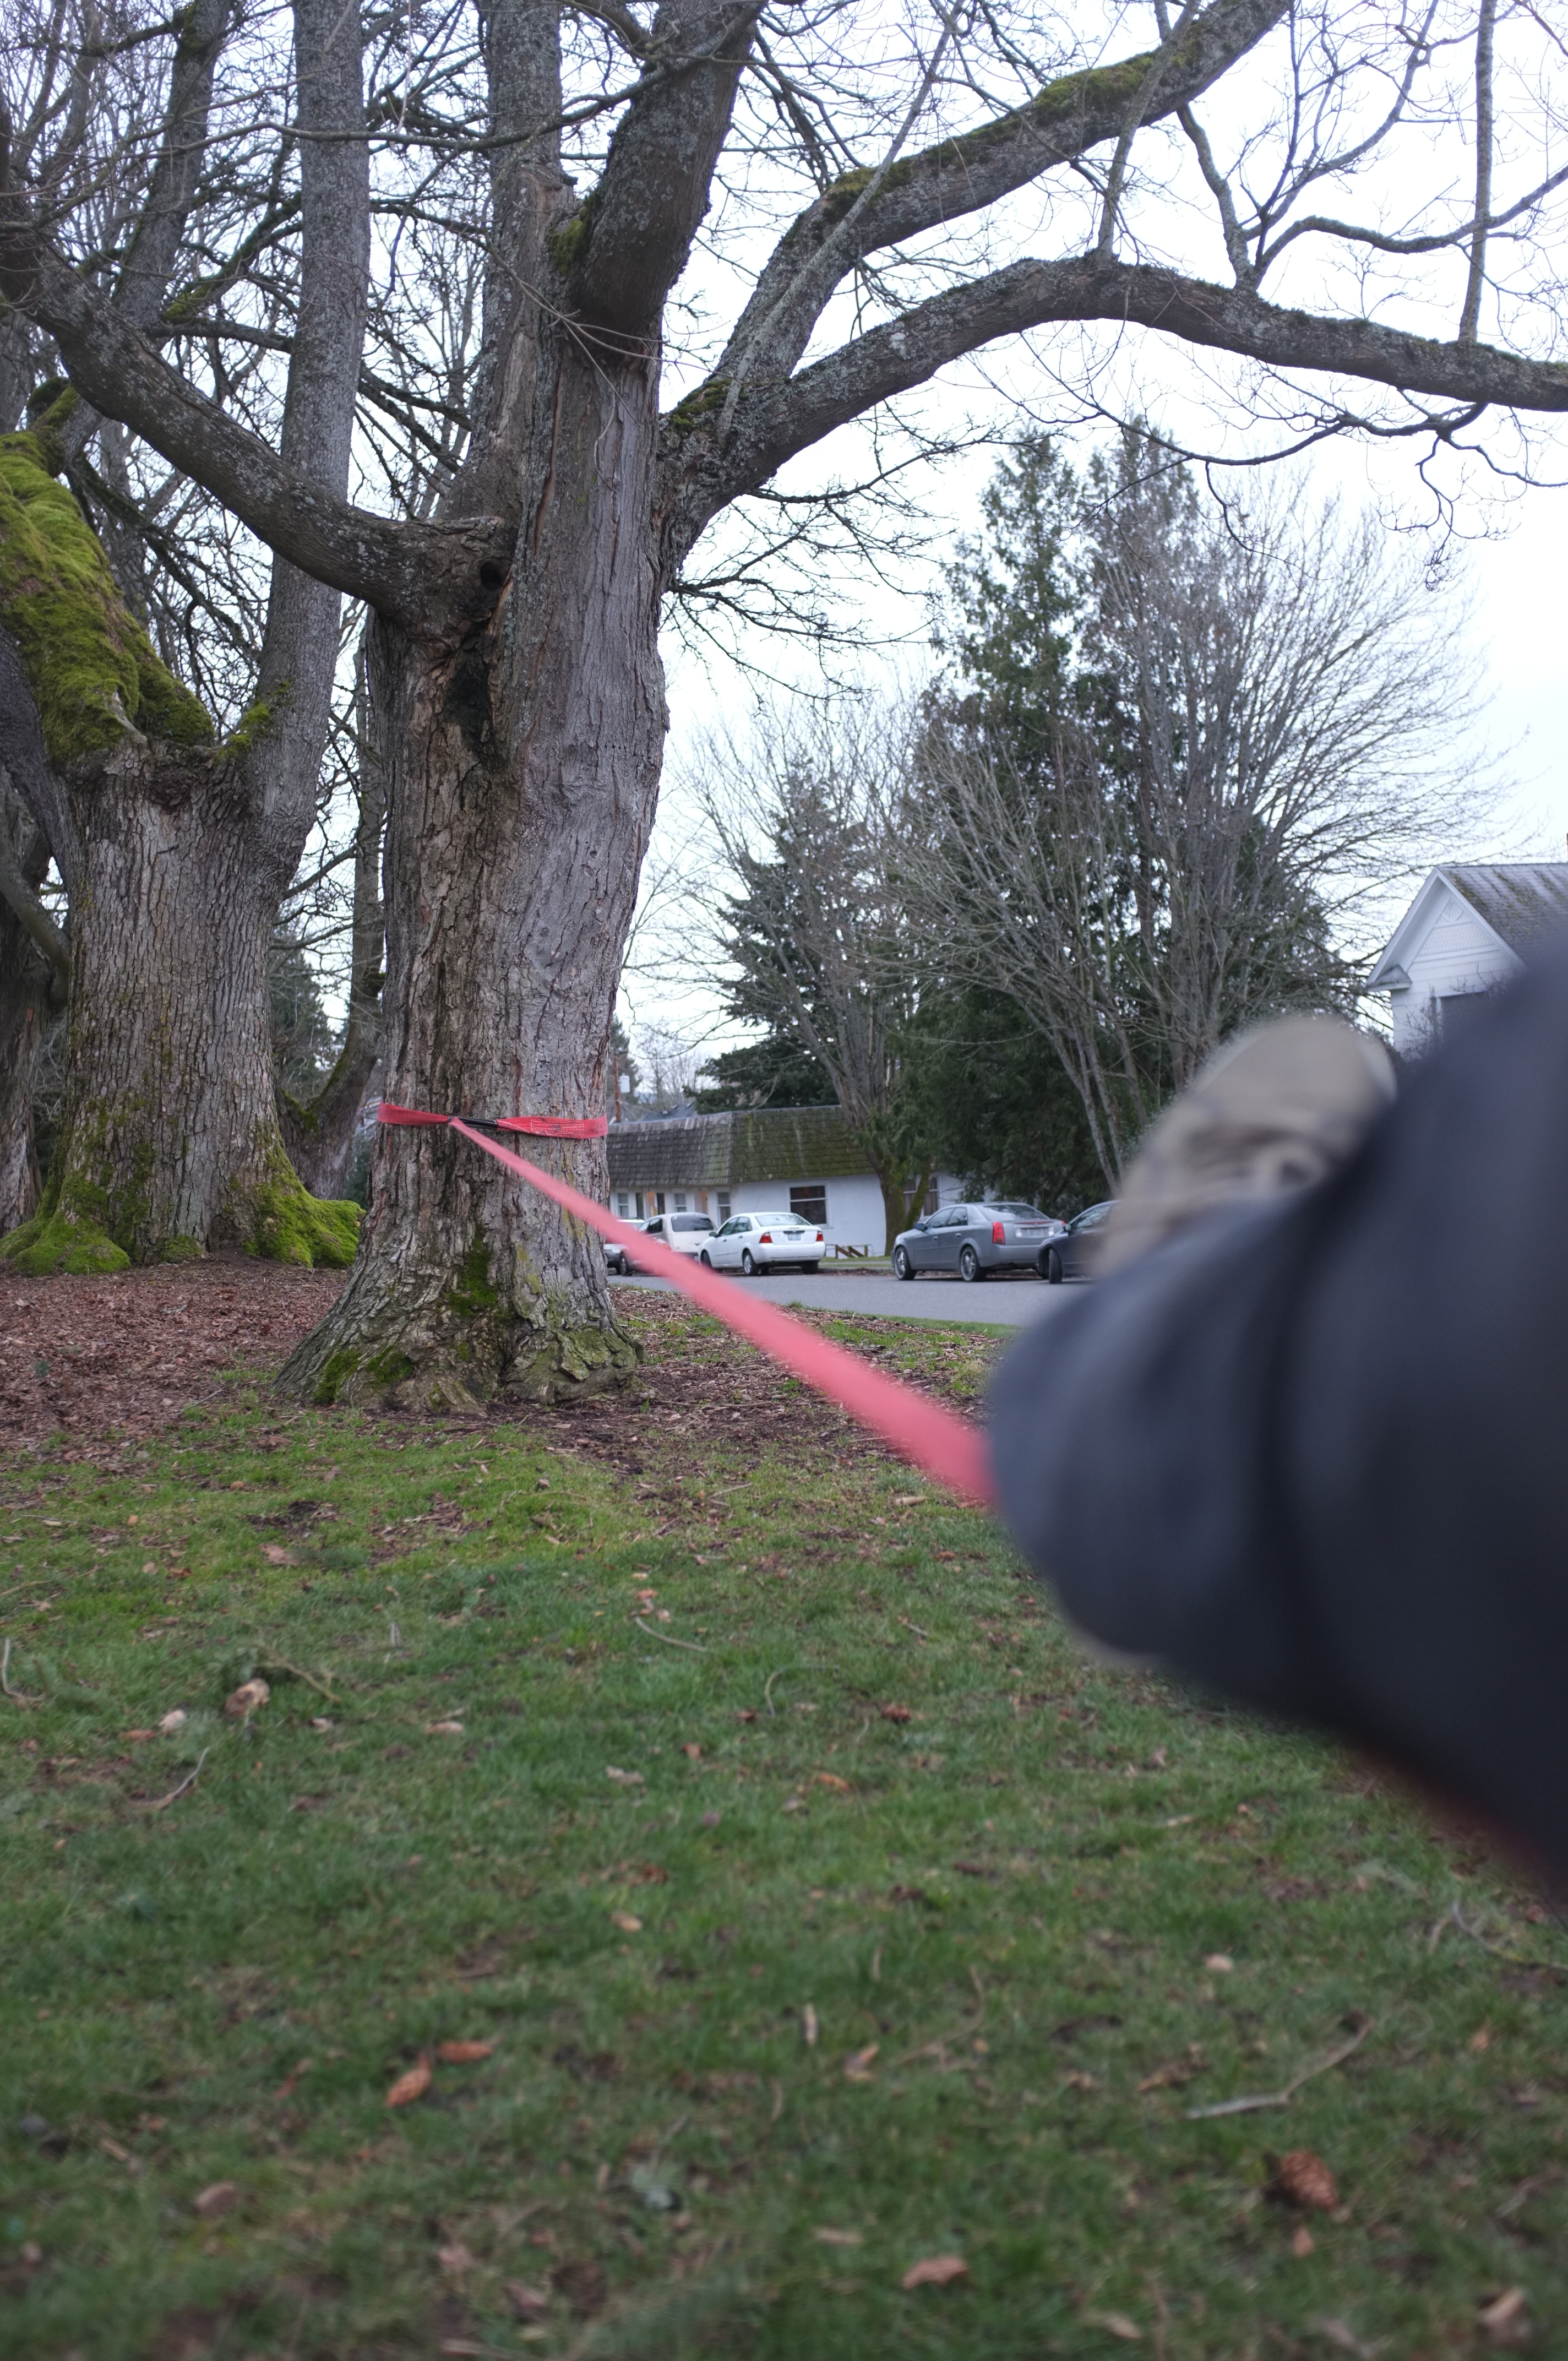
column 176, row 851
column 32, row 993
column 525, row 768
column 169, row 1142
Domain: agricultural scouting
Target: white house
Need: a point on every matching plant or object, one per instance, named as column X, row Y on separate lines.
column 808, row 1160
column 1469, row 929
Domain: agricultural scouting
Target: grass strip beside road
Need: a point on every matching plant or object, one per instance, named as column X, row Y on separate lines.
column 867, row 1926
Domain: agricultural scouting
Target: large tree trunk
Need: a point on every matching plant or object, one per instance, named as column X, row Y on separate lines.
column 170, row 1141
column 524, row 769
column 32, row 993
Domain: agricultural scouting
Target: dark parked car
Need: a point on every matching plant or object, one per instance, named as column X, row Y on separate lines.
column 1072, row 1255
column 973, row 1240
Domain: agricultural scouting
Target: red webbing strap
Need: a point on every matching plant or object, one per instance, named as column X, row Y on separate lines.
column 922, row 1432
column 543, row 1127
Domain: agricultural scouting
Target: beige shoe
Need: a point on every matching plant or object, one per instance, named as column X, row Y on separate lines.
column 1276, row 1110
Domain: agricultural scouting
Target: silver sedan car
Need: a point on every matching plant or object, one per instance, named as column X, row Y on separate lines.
column 972, row 1240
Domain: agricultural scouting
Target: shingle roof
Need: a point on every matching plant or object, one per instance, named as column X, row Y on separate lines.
column 716, row 1151
column 1521, row 900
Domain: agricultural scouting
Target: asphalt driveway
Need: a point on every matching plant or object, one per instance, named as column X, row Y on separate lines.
column 1001, row 1302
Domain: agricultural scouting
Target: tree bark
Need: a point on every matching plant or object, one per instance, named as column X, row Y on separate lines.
column 176, row 855
column 523, row 772
column 170, row 1141
column 30, row 996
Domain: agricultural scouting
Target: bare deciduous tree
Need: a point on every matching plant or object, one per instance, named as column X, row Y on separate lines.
column 175, row 849
column 810, row 944
column 1275, row 743
column 518, row 607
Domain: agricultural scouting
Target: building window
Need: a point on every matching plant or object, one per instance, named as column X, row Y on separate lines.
column 809, row 1201
column 723, row 1197
column 658, row 1201
column 623, row 1203
column 680, row 1200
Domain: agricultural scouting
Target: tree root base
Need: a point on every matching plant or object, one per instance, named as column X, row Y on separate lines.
column 54, row 1241
column 281, row 1222
column 560, row 1368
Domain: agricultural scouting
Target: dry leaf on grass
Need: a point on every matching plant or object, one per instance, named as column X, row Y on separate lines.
column 444, row 1729
column 809, row 2027
column 410, row 2086
column 1302, row 2242
column 456, row 2260
column 628, row 1923
column 841, row 2238
column 1116, row 2323
column 830, row 1779
column 1173, row 2076
column 1339, row 2333
column 896, row 1713
column 857, row 2065
column 1504, row 2319
column 527, row 2303
column 275, row 1555
column 170, row 1722
column 692, row 1752
column 1303, row 2178
column 247, row 1699
column 464, row 2053
column 220, row 2198
column 934, row 2270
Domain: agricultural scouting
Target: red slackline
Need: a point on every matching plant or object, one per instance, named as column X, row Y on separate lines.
column 929, row 1436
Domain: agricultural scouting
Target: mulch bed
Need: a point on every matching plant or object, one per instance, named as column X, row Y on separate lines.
column 86, row 1359
column 86, row 1363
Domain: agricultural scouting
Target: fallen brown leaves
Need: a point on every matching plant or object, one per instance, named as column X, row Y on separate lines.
column 1303, row 2178
column 410, row 2086
column 934, row 2270
column 129, row 1355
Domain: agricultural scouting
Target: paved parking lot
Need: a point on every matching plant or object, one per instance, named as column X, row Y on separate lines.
column 1010, row 1302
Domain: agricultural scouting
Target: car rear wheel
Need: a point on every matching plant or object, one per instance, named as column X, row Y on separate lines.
column 748, row 1263
column 810, row 1269
column 1050, row 1266
column 970, row 1264
column 902, row 1265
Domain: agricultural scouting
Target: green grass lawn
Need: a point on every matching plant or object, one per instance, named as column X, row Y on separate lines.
column 820, row 1909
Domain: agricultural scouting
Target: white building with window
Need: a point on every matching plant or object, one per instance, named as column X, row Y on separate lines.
column 805, row 1161
column 1468, row 930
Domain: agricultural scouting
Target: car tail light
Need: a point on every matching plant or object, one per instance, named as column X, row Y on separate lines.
column 819, row 1237
column 999, row 1234
column 766, row 1239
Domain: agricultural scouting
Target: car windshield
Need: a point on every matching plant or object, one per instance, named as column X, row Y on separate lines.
column 785, row 1221
column 691, row 1221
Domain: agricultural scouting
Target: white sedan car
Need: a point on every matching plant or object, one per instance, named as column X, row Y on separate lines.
column 686, row 1233
column 754, row 1242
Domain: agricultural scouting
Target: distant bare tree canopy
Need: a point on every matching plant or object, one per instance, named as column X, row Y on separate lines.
column 396, row 292
column 810, row 947
column 1184, row 750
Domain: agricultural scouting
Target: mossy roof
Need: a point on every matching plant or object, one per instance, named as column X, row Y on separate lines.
column 718, row 1151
